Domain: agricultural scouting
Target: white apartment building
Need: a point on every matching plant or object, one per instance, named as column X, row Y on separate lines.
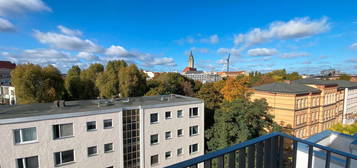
column 139, row 132
column 7, row 95
column 202, row 76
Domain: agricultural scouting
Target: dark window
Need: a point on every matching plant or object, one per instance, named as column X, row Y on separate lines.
column 91, row 125
column 193, row 148
column 194, row 130
column 179, row 114
column 29, row 162
column 154, row 139
column 64, row 157
column 168, row 114
column 167, row 154
column 154, row 159
column 108, row 147
column 194, row 112
column 154, row 118
column 168, row 135
column 25, row 135
column 62, row 130
column 108, row 123
column 179, row 151
column 179, row 132
column 92, row 150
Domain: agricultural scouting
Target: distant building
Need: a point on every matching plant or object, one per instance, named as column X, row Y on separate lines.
column 7, row 95
column 231, row 73
column 191, row 72
column 148, row 131
column 337, row 141
column 5, row 72
column 307, row 106
column 330, row 72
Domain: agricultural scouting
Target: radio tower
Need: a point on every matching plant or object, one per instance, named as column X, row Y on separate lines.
column 229, row 55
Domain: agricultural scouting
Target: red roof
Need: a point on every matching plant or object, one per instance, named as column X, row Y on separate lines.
column 189, row 69
column 7, row 65
column 231, row 72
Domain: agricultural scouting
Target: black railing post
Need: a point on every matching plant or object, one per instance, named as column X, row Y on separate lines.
column 309, row 162
column 294, row 153
column 267, row 153
column 281, row 151
column 242, row 158
column 251, row 156
column 260, row 154
column 208, row 163
column 221, row 161
column 274, row 152
column 348, row 162
column 232, row 160
column 328, row 158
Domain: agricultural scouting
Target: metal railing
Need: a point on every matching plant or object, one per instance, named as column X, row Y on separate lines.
column 266, row 151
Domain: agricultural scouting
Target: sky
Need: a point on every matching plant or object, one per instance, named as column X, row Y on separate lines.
column 157, row 35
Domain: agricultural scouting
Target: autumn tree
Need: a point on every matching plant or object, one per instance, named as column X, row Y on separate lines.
column 344, row 77
column 132, row 81
column 73, row 83
column 235, row 88
column 345, row 128
column 35, row 84
column 238, row 121
column 108, row 81
column 88, row 79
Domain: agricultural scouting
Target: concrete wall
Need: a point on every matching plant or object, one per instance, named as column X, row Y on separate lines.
column 350, row 106
column 45, row 147
column 175, row 142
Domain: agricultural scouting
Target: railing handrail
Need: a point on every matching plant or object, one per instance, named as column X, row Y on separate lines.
column 244, row 144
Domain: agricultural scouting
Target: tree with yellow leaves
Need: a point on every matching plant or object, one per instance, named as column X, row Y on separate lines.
column 234, row 88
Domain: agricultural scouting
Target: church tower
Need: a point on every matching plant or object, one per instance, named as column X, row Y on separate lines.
column 191, row 61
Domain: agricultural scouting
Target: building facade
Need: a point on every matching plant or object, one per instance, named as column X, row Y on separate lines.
column 305, row 107
column 7, row 95
column 142, row 132
column 5, row 72
column 203, row 77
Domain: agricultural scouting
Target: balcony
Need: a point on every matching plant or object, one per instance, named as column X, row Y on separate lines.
column 275, row 150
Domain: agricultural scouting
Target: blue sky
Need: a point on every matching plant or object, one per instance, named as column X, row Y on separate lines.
column 302, row 36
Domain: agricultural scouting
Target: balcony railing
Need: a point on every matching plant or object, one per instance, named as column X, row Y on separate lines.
column 266, row 151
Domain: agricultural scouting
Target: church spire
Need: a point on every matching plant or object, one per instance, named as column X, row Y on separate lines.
column 191, row 61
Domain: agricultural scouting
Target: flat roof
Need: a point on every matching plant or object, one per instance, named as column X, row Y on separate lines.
column 45, row 109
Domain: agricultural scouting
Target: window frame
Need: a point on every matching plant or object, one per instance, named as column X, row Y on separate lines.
column 157, row 160
column 61, row 158
column 191, row 112
column 93, row 129
column 177, row 152
column 96, row 151
column 168, row 157
column 155, row 143
column 157, row 118
column 192, row 129
column 168, row 112
column 170, row 137
column 108, row 127
column 21, row 137
column 59, row 131
column 23, row 161
column 178, row 112
column 191, row 148
column 108, row 151
column 180, row 135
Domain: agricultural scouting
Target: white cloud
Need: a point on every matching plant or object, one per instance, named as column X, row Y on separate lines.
column 62, row 41
column 262, row 52
column 353, row 46
column 9, row 7
column 87, row 56
column 165, row 61
column 294, row 55
column 197, row 49
column 68, row 31
column 295, row 28
column 6, row 26
column 226, row 51
column 213, row 39
column 116, row 51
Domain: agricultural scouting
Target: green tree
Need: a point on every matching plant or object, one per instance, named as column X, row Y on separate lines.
column 88, row 78
column 53, row 84
column 238, row 121
column 108, row 81
column 73, row 83
column 344, row 77
column 132, row 81
column 171, row 83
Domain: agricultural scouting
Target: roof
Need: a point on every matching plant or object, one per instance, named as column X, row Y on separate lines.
column 43, row 109
column 232, row 72
column 281, row 87
column 189, row 69
column 344, row 83
column 7, row 65
column 314, row 82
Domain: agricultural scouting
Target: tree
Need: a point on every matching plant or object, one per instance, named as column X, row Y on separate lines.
column 345, row 128
column 238, row 121
column 293, row 76
column 35, row 84
column 73, row 83
column 344, row 77
column 132, row 81
column 171, row 83
column 235, row 88
column 88, row 79
column 108, row 81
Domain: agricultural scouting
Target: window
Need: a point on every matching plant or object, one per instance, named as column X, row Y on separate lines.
column 168, row 155
column 179, row 114
column 179, row 133
column 110, row 167
column 91, row 126
column 194, row 130
column 154, row 139
column 25, row 135
column 167, row 114
column 108, row 123
column 29, row 162
column 62, row 130
column 193, row 148
column 194, row 112
column 179, row 152
column 64, row 157
column 168, row 135
column 108, row 147
column 154, row 159
column 92, row 151
column 153, row 118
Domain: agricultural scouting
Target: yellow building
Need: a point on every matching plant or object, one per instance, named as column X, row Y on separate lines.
column 307, row 106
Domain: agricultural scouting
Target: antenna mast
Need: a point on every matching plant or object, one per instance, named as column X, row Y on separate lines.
column 229, row 55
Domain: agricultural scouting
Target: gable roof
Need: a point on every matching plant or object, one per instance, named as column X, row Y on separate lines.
column 281, row 87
